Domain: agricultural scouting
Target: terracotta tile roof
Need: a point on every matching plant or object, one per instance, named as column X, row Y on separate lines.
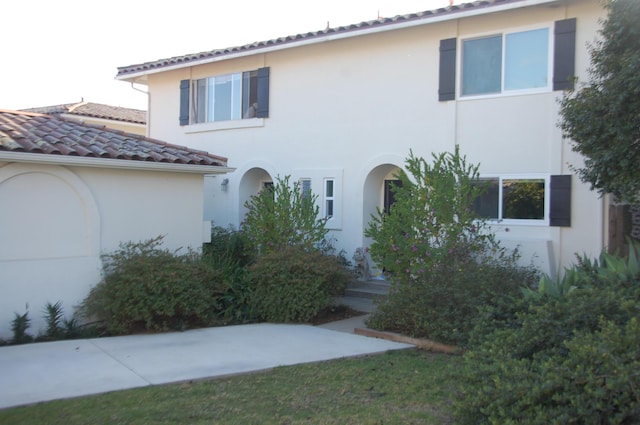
column 47, row 134
column 95, row 110
column 256, row 46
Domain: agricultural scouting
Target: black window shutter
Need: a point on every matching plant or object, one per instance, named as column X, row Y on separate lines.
column 560, row 208
column 263, row 93
column 184, row 101
column 447, row 85
column 564, row 54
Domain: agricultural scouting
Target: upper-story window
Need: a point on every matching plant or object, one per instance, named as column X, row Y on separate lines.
column 224, row 97
column 227, row 97
column 506, row 62
column 534, row 60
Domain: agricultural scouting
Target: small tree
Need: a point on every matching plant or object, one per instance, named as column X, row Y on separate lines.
column 603, row 117
column 432, row 219
column 443, row 260
column 283, row 216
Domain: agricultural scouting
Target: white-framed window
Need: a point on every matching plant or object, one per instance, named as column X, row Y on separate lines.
column 329, row 198
column 506, row 62
column 519, row 199
column 224, row 97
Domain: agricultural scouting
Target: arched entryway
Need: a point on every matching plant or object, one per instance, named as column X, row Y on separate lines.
column 377, row 190
column 377, row 195
column 252, row 182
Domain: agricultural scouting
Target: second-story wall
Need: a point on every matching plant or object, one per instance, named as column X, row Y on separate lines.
column 351, row 109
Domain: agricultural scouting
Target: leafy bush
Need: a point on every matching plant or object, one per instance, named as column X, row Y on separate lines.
column 442, row 259
column 228, row 254
column 560, row 356
column 283, row 216
column 294, row 285
column 148, row 288
column 444, row 304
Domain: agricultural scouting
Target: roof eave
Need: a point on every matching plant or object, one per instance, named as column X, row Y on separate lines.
column 37, row 158
column 140, row 76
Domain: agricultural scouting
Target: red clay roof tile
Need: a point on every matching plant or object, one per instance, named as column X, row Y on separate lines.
column 46, row 134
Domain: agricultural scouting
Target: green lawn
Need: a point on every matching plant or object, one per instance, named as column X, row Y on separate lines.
column 400, row 387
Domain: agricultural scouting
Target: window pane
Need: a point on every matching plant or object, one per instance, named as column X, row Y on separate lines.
column 211, row 93
column 305, row 186
column 486, row 205
column 523, row 199
column 526, row 59
column 222, row 100
column 329, row 209
column 329, row 188
column 482, row 65
column 200, row 101
column 249, row 94
column 236, row 96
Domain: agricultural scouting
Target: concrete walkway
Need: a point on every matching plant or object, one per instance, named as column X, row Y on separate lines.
column 38, row 372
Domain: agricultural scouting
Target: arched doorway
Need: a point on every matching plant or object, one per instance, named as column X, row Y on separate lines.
column 377, row 195
column 377, row 190
column 252, row 182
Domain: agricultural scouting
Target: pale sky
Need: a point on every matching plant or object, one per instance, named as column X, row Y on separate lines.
column 61, row 51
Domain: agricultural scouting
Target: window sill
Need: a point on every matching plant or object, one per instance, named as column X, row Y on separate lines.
column 514, row 93
column 518, row 222
column 224, row 125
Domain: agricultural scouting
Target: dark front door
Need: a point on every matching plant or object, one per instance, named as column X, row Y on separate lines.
column 389, row 194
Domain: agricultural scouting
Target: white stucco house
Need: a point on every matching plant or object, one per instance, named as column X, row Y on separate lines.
column 340, row 109
column 70, row 192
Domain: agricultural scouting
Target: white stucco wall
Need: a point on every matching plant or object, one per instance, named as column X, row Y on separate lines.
column 58, row 221
column 355, row 106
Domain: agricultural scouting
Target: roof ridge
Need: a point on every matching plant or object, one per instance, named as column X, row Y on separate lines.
column 148, row 66
column 73, row 107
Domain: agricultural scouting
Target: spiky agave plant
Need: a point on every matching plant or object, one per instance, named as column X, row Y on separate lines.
column 19, row 326
column 53, row 315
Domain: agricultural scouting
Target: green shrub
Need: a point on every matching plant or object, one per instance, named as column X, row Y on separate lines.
column 559, row 357
column 148, row 288
column 283, row 216
column 444, row 305
column 294, row 285
column 229, row 255
column 441, row 257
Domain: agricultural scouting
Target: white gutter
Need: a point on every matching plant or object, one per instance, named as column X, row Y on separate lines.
column 474, row 11
column 124, row 164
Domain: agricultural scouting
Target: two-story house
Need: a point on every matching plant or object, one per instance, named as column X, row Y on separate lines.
column 340, row 109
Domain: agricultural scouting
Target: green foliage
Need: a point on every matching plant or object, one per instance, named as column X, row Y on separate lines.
column 228, row 254
column 432, row 220
column 282, row 216
column 570, row 357
column 294, row 284
column 19, row 326
column 603, row 117
column 148, row 288
column 444, row 304
column 54, row 317
column 442, row 259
